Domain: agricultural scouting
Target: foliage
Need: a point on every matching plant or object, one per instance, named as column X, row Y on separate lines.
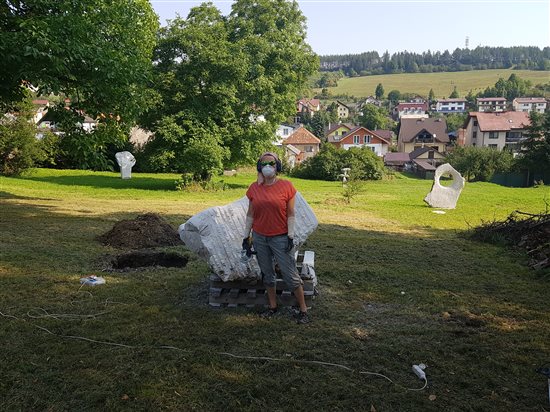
column 394, row 96
column 189, row 183
column 96, row 52
column 19, row 149
column 455, row 120
column 480, row 163
column 50, row 146
column 379, row 92
column 330, row 161
column 431, row 96
column 233, row 90
column 480, row 58
column 374, row 117
column 535, row 154
column 510, row 89
column 352, row 188
column 454, row 94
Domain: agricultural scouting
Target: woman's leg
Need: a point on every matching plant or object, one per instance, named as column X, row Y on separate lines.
column 265, row 261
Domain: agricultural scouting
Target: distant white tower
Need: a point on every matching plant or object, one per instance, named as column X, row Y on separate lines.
column 467, row 42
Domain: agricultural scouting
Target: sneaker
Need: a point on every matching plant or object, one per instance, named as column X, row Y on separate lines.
column 268, row 313
column 302, row 318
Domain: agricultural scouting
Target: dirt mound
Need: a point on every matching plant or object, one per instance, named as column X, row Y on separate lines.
column 145, row 231
column 525, row 230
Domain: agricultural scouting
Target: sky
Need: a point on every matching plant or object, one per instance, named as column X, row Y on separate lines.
column 356, row 26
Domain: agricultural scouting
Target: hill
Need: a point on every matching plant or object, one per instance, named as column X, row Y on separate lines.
column 442, row 83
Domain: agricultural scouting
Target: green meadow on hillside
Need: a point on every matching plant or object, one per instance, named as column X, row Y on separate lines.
column 399, row 285
column 441, row 83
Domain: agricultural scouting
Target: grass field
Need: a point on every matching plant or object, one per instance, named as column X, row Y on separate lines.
column 399, row 285
column 441, row 83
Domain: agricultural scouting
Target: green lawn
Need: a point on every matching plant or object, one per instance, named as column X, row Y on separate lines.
column 441, row 83
column 399, row 285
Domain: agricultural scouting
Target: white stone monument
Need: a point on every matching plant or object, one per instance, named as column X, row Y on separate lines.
column 442, row 196
column 126, row 161
column 216, row 234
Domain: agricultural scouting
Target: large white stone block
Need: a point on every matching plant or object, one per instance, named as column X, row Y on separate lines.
column 126, row 161
column 445, row 197
column 216, row 235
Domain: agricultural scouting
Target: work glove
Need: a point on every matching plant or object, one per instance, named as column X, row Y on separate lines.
column 289, row 244
column 247, row 247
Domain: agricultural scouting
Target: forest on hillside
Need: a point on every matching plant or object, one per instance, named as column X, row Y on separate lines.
column 480, row 58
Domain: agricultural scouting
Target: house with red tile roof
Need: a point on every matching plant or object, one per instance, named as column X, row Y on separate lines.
column 304, row 144
column 308, row 105
column 498, row 130
column 360, row 136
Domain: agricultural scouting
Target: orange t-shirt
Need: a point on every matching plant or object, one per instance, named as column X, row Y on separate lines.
column 269, row 204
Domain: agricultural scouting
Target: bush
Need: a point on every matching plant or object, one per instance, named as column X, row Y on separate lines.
column 329, row 162
column 480, row 163
column 19, row 149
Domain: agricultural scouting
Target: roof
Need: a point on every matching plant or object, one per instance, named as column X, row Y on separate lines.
column 401, row 106
column 348, row 126
column 424, row 164
column 490, row 99
column 420, row 151
column 458, row 100
column 41, row 102
column 384, row 134
column 342, row 104
column 374, row 133
column 301, row 136
column 530, row 100
column 501, row 121
column 396, row 158
column 310, row 102
column 410, row 128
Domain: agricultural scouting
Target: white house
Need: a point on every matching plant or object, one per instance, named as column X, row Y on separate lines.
column 451, row 106
column 491, row 104
column 529, row 104
column 283, row 132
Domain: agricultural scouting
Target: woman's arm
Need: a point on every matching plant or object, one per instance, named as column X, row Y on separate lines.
column 249, row 220
column 290, row 218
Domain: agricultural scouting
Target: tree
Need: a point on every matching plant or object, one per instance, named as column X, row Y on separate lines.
column 431, row 96
column 454, row 94
column 535, row 153
column 96, row 52
column 373, row 117
column 379, row 91
column 455, row 121
column 394, row 96
column 480, row 163
column 236, row 77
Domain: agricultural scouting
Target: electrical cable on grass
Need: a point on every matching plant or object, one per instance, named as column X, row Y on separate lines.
column 228, row 354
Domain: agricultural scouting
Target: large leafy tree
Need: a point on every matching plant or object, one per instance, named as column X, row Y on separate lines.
column 235, row 76
column 97, row 52
column 374, row 117
column 536, row 149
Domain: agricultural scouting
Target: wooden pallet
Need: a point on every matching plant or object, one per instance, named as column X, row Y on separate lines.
column 242, row 293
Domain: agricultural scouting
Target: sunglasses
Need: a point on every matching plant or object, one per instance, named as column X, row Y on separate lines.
column 270, row 163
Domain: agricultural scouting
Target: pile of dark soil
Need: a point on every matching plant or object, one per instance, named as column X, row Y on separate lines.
column 525, row 230
column 145, row 231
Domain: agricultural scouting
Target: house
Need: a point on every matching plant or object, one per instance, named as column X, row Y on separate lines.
column 362, row 137
column 40, row 109
column 491, row 104
column 303, row 141
column 417, row 133
column 292, row 155
column 342, row 110
column 335, row 133
column 422, row 161
column 397, row 160
column 282, row 132
column 49, row 122
column 371, row 100
column 497, row 130
column 529, row 104
column 410, row 110
column 451, row 106
column 308, row 106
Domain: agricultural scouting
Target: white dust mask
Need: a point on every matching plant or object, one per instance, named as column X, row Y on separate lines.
column 268, row 171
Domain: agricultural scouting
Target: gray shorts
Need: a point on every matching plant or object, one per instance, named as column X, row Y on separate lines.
column 269, row 247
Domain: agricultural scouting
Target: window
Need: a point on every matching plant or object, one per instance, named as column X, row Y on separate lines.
column 285, row 132
column 367, row 138
column 373, row 149
column 475, row 122
column 493, row 135
column 493, row 146
column 309, row 149
column 474, row 135
column 356, row 139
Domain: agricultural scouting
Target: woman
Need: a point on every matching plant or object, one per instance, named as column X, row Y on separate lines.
column 271, row 218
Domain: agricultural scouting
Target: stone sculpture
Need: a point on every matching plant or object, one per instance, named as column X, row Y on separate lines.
column 442, row 196
column 126, row 161
column 216, row 234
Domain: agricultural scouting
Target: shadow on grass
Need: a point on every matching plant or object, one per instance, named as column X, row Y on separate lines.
column 388, row 300
column 137, row 182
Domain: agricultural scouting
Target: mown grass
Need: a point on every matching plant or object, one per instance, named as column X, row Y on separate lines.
column 442, row 83
column 399, row 285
